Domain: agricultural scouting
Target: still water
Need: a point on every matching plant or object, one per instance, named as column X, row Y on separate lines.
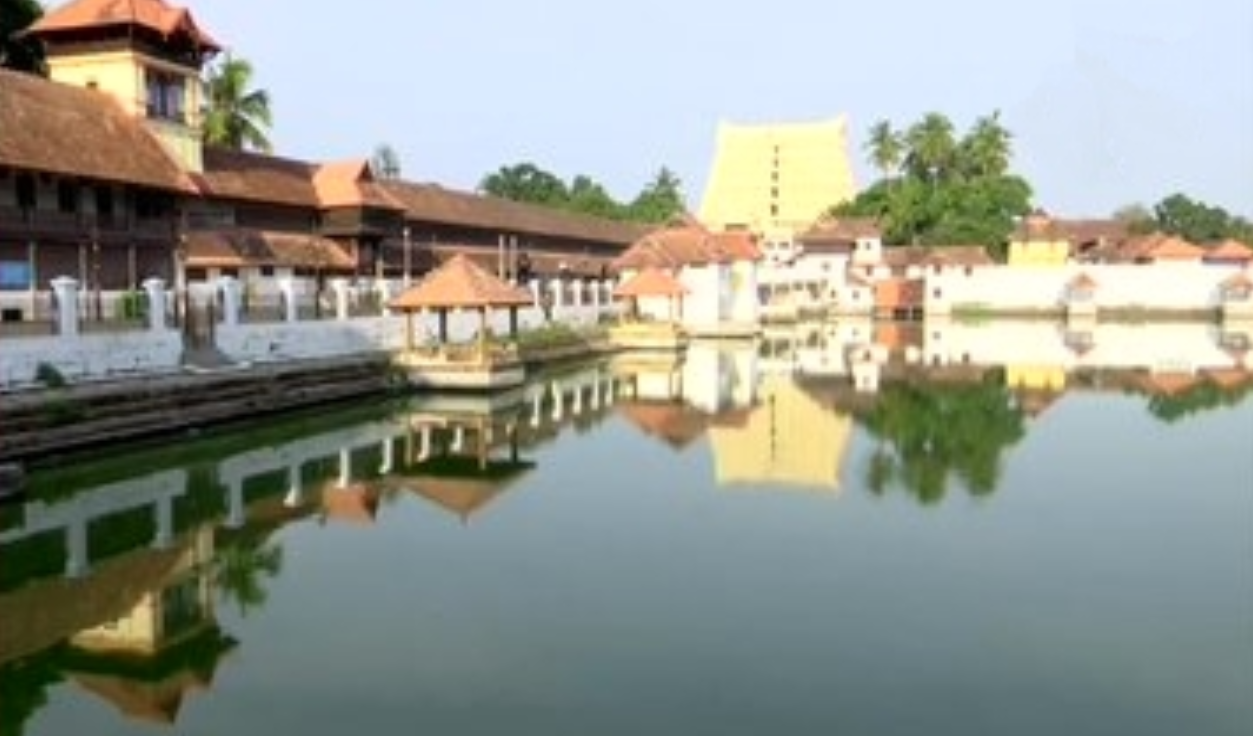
column 848, row 534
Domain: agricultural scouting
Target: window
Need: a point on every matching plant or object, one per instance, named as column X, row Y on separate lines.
column 267, row 270
column 26, row 191
column 935, row 293
column 774, row 210
column 165, row 95
column 67, row 196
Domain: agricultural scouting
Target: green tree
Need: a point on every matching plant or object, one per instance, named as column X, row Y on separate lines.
column 1138, row 218
column 931, row 146
column 985, row 150
column 385, row 162
column 590, row 198
column 885, row 148
column 932, row 435
column 237, row 117
column 950, row 192
column 17, row 51
column 1199, row 222
column 242, row 568
column 660, row 200
column 526, row 182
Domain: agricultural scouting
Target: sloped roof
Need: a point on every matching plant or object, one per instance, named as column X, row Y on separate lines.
column 842, row 231
column 154, row 15
column 256, row 177
column 677, row 424
column 350, row 184
column 356, row 504
column 687, row 245
column 236, row 247
column 436, row 204
column 62, row 129
column 958, row 255
column 1229, row 250
column 1083, row 282
column 650, row 282
column 459, row 282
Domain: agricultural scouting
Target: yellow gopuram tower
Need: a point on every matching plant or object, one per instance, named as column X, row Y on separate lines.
column 777, row 178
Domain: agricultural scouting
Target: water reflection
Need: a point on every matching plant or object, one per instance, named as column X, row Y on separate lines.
column 112, row 579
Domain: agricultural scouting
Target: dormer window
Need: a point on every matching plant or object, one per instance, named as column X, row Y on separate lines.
column 166, row 93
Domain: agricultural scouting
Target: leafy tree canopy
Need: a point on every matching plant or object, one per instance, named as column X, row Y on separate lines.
column 1190, row 219
column 237, row 117
column 385, row 162
column 20, row 53
column 941, row 189
column 660, row 200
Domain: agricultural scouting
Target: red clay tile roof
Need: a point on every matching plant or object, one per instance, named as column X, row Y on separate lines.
column 460, row 282
column 1229, row 250
column 256, row 177
column 841, row 231
column 687, row 245
column 650, row 282
column 155, row 15
column 350, row 184
column 675, row 423
column 236, row 247
column 356, row 504
column 958, row 255
column 434, row 203
column 1083, row 282
column 62, row 129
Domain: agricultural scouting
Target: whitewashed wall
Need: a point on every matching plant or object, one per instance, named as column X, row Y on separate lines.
column 1161, row 286
column 1157, row 346
column 94, row 356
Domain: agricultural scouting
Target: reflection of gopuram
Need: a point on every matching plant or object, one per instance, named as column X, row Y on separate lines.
column 789, row 438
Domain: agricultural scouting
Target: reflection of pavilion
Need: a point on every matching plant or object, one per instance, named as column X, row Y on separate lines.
column 788, row 438
column 462, row 451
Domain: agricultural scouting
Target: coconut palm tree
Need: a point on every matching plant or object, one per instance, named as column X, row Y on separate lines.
column 885, row 147
column 985, row 150
column 237, row 117
column 932, row 147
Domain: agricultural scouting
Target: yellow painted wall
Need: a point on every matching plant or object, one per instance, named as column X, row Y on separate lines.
column 121, row 74
column 1046, row 377
column 1038, row 252
column 777, row 177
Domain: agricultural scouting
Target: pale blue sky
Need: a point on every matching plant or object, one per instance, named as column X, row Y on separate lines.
column 1111, row 101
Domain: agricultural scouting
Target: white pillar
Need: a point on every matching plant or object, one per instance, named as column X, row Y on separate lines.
column 597, row 288
column 345, row 467
column 340, row 287
column 389, row 456
column 385, row 295
column 76, row 548
column 156, row 303
column 596, row 391
column 230, row 300
column 424, row 443
column 610, row 395
column 577, row 409
column 534, row 287
column 558, row 401
column 295, row 491
column 235, row 504
column 458, row 438
column 163, row 514
column 66, row 291
column 558, row 288
column 576, row 287
column 287, row 287
column 537, row 406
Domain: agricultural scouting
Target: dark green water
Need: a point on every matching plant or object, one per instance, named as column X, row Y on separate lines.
column 944, row 554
